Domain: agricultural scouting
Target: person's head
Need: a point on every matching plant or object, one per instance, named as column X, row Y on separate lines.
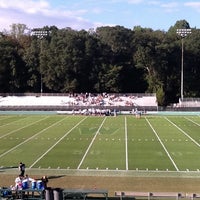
column 44, row 177
column 20, row 176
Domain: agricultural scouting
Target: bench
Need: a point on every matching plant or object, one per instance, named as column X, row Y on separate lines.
column 149, row 195
column 31, row 194
column 167, row 195
column 192, row 195
column 132, row 194
column 83, row 193
column 7, row 193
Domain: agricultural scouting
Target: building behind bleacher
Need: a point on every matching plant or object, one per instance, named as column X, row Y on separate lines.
column 186, row 104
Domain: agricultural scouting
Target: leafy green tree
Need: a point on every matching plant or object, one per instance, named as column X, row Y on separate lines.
column 11, row 66
column 110, row 59
column 18, row 30
column 191, row 64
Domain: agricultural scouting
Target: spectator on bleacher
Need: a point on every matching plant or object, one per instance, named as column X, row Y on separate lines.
column 18, row 182
column 44, row 180
column 28, row 179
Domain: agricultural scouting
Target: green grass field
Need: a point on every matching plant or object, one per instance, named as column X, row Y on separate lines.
column 151, row 143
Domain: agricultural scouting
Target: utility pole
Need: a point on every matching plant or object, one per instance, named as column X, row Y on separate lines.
column 40, row 34
column 183, row 33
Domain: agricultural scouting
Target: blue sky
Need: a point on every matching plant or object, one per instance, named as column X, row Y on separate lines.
column 85, row 14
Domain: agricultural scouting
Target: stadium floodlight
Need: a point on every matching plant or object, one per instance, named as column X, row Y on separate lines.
column 40, row 33
column 183, row 33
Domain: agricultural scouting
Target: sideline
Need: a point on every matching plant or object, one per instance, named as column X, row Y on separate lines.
column 106, row 172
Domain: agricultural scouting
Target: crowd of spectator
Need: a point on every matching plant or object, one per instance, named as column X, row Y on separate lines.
column 82, row 99
column 105, row 99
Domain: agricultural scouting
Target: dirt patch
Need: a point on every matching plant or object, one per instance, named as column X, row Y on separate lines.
column 112, row 184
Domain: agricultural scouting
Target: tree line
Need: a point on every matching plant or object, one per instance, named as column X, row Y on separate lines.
column 108, row 59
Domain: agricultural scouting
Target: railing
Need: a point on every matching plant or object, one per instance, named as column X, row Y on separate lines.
column 153, row 195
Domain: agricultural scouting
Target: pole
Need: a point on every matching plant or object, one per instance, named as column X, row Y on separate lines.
column 40, row 33
column 183, row 33
column 182, row 68
column 41, row 83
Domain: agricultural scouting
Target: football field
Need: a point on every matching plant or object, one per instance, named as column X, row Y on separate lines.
column 151, row 143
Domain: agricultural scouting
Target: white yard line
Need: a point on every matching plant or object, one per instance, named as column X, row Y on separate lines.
column 5, row 117
column 13, row 122
column 163, row 145
column 126, row 143
column 9, row 133
column 192, row 121
column 195, row 142
column 91, row 143
column 57, row 141
column 27, row 139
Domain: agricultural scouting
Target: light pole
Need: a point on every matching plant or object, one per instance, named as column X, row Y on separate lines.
column 40, row 33
column 183, row 33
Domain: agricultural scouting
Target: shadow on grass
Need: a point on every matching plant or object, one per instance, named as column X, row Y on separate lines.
column 4, row 168
column 52, row 177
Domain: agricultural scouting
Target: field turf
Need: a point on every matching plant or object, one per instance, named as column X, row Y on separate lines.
column 123, row 143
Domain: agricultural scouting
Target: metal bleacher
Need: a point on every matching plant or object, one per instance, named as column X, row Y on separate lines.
column 66, row 102
column 51, row 194
column 7, row 193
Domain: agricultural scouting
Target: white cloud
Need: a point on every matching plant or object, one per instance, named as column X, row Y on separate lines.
column 135, row 1
column 39, row 13
column 170, row 7
column 195, row 5
column 24, row 5
column 127, row 1
column 155, row 3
